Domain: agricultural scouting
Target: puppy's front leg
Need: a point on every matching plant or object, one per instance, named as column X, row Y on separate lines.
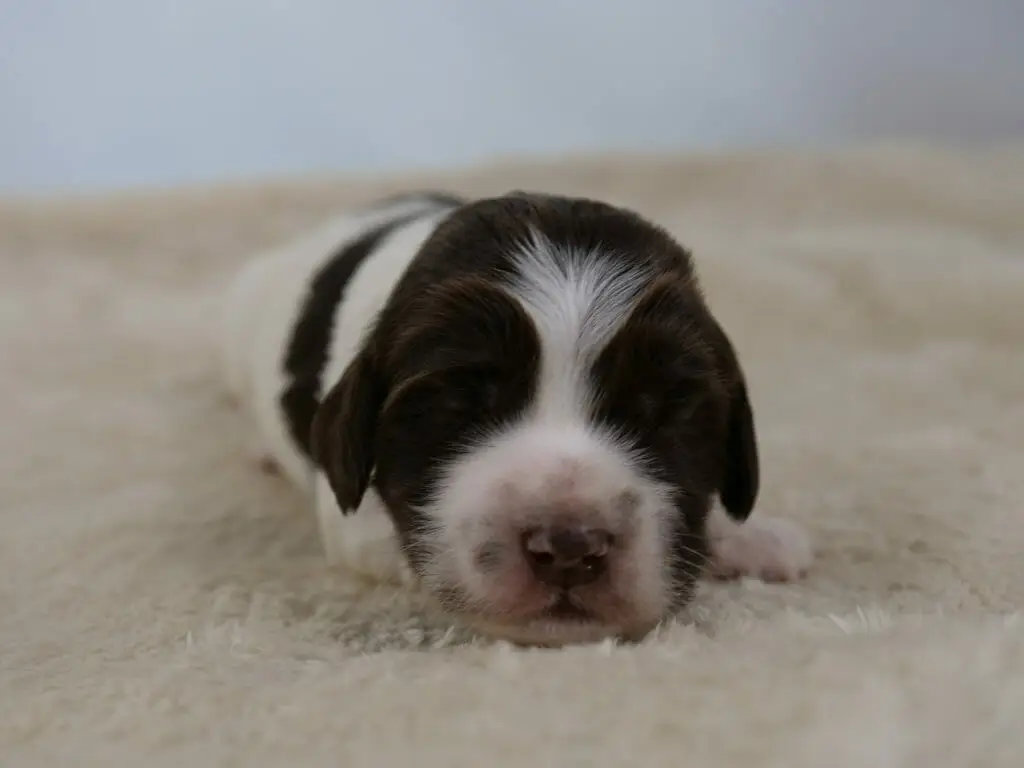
column 768, row 548
column 363, row 542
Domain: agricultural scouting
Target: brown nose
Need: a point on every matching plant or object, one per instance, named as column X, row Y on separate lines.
column 567, row 556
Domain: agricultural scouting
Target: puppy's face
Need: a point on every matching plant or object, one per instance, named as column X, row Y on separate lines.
column 548, row 427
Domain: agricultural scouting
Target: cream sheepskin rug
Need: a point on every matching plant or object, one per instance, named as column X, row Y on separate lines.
column 163, row 603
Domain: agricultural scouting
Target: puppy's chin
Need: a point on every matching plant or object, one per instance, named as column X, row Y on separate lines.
column 515, row 608
column 555, row 633
column 553, row 628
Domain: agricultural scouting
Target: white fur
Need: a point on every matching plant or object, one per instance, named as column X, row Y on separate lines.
column 577, row 305
column 365, row 542
column 766, row 548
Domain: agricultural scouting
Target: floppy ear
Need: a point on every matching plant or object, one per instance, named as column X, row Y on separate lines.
column 741, row 478
column 741, row 473
column 344, row 431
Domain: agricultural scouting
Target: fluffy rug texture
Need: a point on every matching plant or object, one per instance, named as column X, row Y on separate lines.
column 162, row 602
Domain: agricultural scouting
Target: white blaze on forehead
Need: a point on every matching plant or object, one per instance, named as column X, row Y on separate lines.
column 578, row 301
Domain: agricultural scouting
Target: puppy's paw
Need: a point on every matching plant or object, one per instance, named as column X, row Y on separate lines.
column 376, row 560
column 363, row 542
column 768, row 548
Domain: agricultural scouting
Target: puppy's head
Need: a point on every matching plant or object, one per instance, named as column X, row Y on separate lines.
column 547, row 408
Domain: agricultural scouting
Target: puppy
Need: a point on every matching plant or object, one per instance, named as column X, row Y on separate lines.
column 522, row 402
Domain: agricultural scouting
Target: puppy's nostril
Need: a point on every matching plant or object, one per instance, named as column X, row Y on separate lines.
column 599, row 544
column 592, row 561
column 543, row 558
column 567, row 557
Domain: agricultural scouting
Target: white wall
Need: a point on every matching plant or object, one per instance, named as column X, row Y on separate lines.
column 97, row 93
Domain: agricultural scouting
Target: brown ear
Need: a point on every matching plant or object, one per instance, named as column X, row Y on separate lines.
column 344, row 431
column 669, row 300
column 741, row 473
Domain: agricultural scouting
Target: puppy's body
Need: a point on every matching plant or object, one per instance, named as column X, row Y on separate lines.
column 294, row 319
column 525, row 399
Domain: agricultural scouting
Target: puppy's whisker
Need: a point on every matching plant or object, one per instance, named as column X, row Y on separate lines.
column 686, row 549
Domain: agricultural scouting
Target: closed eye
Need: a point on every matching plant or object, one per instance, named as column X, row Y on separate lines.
column 478, row 386
column 677, row 402
column 455, row 387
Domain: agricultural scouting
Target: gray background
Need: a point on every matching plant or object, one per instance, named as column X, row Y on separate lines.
column 107, row 93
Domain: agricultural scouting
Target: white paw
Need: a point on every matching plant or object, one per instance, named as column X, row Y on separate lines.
column 767, row 548
column 363, row 542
